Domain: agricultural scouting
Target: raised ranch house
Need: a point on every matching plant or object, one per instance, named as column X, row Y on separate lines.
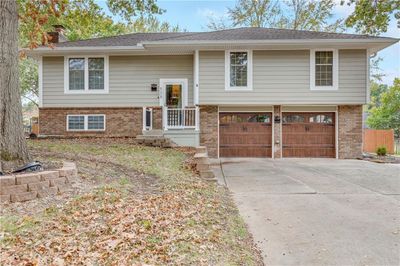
column 246, row 92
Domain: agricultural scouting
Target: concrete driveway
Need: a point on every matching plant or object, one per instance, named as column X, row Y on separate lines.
column 318, row 211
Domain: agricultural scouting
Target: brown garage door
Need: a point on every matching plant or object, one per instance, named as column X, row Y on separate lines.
column 245, row 135
column 308, row 135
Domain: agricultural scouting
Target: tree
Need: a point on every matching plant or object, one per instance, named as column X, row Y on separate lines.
column 310, row 15
column 372, row 16
column 289, row 14
column 387, row 114
column 255, row 13
column 376, row 92
column 13, row 146
column 34, row 18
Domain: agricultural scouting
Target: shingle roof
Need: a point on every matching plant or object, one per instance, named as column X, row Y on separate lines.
column 243, row 34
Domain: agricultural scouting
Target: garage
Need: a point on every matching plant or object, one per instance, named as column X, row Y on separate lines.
column 246, row 134
column 308, row 134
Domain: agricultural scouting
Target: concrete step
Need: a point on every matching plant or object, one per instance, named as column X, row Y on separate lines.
column 201, row 149
column 202, row 167
column 149, row 137
column 153, row 132
column 207, row 174
column 201, row 158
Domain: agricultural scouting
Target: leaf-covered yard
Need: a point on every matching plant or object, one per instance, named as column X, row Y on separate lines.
column 132, row 205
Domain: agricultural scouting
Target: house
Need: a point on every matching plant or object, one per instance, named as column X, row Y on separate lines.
column 245, row 92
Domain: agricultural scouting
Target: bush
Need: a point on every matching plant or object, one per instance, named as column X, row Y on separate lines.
column 381, row 151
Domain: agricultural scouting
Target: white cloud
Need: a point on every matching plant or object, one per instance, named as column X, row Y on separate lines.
column 210, row 13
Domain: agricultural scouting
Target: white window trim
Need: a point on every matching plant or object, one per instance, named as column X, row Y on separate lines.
column 249, row 86
column 335, row 70
column 86, row 122
column 86, row 90
column 145, row 128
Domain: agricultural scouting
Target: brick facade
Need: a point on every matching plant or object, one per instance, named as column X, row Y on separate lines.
column 157, row 118
column 350, row 131
column 120, row 122
column 276, row 142
column 209, row 129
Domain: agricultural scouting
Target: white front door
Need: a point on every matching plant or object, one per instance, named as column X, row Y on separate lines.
column 174, row 93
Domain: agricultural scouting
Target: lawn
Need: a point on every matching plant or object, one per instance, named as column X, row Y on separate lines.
column 132, row 205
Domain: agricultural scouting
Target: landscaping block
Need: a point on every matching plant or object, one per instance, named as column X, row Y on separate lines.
column 5, row 198
column 24, row 196
column 61, row 181
column 7, row 180
column 68, row 172
column 7, row 190
column 38, row 186
column 27, row 178
column 48, row 192
column 48, row 175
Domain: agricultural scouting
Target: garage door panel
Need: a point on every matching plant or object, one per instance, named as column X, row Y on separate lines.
column 245, row 135
column 308, row 135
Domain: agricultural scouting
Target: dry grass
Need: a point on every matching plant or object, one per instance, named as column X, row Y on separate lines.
column 143, row 205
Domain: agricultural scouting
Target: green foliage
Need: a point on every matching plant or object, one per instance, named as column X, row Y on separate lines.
column 133, row 8
column 381, row 151
column 372, row 16
column 387, row 114
column 28, row 80
column 289, row 14
column 376, row 91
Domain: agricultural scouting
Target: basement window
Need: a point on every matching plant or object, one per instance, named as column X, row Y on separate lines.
column 86, row 122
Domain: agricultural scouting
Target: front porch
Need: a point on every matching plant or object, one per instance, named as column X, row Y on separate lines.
column 180, row 125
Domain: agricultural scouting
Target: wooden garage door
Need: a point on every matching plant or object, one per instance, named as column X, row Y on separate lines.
column 245, row 135
column 308, row 135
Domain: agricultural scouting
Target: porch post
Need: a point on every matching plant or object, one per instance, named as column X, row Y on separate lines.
column 196, row 78
column 197, row 118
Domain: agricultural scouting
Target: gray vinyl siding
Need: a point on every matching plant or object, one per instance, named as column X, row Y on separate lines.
column 130, row 79
column 283, row 77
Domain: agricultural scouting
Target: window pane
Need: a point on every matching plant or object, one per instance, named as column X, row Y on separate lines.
column 293, row 119
column 238, row 69
column 260, row 118
column 324, row 68
column 96, row 73
column 76, row 122
column 95, row 122
column 325, row 119
column 76, row 73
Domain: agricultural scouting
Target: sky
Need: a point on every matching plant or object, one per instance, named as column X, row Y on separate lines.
column 193, row 15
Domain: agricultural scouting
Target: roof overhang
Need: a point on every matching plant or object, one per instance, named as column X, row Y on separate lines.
column 186, row 47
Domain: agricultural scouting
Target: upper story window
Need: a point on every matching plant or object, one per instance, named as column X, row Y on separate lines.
column 86, row 74
column 324, row 69
column 238, row 70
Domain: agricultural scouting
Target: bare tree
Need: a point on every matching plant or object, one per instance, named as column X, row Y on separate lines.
column 13, row 148
column 255, row 13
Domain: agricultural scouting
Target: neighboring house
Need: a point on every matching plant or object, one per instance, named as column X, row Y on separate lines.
column 246, row 92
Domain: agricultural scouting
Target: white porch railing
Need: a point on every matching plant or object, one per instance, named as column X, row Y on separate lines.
column 181, row 118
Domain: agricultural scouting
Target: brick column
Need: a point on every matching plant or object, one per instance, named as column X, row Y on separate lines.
column 277, row 132
column 209, row 129
column 157, row 118
column 350, row 131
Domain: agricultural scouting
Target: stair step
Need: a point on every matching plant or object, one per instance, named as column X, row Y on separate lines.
column 201, row 149
column 207, row 174
column 202, row 167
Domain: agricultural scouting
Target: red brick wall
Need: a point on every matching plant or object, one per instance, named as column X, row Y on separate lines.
column 120, row 122
column 350, row 131
column 209, row 129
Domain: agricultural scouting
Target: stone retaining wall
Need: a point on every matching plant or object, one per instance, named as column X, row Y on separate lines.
column 24, row 187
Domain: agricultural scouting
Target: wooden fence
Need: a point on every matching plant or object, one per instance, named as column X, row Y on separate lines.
column 374, row 138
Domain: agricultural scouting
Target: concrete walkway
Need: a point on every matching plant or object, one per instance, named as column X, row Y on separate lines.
column 318, row 211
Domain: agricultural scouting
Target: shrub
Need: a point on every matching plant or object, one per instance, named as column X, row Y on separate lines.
column 381, row 151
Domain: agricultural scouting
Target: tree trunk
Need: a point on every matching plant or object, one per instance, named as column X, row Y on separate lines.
column 13, row 147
